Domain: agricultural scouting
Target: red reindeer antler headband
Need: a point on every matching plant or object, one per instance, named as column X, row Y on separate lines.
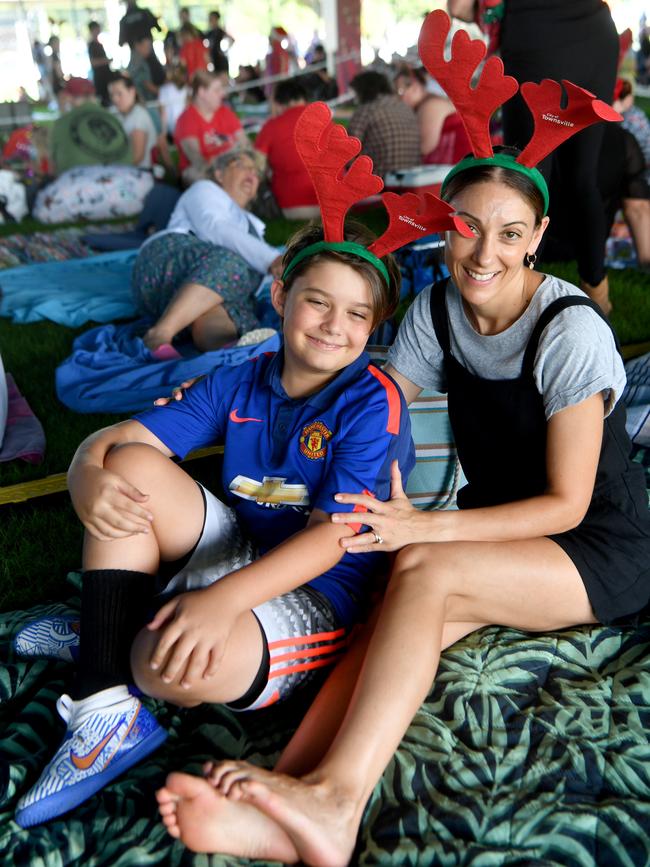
column 326, row 149
column 476, row 105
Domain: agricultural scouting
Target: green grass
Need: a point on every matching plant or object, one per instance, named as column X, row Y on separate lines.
column 41, row 540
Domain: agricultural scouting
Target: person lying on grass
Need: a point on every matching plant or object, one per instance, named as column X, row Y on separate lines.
column 253, row 597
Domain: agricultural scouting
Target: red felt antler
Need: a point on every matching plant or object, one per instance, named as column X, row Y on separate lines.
column 326, row 148
column 553, row 124
column 412, row 216
column 474, row 105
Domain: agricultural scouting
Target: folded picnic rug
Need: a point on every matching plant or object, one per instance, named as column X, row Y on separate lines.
column 111, row 370
column 96, row 289
column 529, row 750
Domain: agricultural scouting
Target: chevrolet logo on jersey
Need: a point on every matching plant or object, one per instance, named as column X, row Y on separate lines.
column 271, row 491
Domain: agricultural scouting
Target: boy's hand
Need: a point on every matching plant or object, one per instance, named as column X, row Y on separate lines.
column 108, row 506
column 194, row 631
column 177, row 393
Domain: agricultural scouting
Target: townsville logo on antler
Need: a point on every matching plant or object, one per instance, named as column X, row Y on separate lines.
column 342, row 178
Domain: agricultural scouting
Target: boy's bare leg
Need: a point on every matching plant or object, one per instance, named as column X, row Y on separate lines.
column 530, row 585
column 189, row 303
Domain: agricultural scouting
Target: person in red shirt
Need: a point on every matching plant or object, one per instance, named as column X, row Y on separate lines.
column 290, row 183
column 206, row 128
column 193, row 54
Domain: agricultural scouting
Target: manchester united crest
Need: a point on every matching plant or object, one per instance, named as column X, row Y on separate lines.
column 313, row 440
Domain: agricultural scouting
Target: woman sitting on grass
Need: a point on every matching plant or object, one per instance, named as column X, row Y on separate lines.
column 136, row 120
column 200, row 272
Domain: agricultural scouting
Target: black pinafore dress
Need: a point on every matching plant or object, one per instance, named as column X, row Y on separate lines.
column 500, row 432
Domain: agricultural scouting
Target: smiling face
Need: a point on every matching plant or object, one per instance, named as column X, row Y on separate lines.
column 328, row 317
column 488, row 268
column 240, row 179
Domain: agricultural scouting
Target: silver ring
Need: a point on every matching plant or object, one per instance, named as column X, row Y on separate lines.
column 378, row 538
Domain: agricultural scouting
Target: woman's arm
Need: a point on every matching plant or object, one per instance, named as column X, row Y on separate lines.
column 138, row 145
column 573, row 447
column 431, row 117
column 409, row 389
column 191, row 147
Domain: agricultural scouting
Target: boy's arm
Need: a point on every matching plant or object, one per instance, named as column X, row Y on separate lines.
column 107, row 505
column 196, row 626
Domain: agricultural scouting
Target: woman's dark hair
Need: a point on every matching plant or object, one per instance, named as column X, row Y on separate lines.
column 416, row 73
column 384, row 298
column 369, row 85
column 513, row 179
column 290, row 90
column 126, row 80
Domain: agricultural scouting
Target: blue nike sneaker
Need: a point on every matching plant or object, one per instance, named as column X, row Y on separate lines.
column 53, row 637
column 107, row 733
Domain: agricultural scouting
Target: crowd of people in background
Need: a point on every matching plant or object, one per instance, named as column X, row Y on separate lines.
column 403, row 119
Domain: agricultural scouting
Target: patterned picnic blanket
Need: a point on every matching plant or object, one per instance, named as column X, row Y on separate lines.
column 56, row 246
column 530, row 749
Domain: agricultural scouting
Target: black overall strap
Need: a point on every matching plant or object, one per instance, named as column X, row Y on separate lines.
column 549, row 313
column 439, row 314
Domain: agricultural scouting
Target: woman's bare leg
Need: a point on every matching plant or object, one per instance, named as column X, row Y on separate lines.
column 637, row 217
column 529, row 585
column 193, row 810
column 190, row 302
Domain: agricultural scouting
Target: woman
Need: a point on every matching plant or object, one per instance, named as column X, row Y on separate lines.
column 206, row 128
column 553, row 528
column 443, row 140
column 200, row 272
column 560, row 40
column 135, row 118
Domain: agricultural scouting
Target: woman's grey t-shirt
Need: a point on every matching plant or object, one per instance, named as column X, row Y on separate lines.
column 576, row 356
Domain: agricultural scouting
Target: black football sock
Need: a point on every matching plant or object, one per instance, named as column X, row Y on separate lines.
column 114, row 607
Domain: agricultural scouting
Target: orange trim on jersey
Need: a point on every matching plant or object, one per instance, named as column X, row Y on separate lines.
column 306, row 639
column 306, row 666
column 275, row 697
column 360, row 508
column 305, row 654
column 392, row 396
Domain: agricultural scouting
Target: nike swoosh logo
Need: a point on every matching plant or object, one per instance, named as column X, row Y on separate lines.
column 234, row 417
column 82, row 763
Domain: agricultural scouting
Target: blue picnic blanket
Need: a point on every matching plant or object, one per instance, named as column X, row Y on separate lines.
column 72, row 292
column 111, row 370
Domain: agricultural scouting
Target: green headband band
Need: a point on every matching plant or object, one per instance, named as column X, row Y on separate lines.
column 340, row 247
column 504, row 161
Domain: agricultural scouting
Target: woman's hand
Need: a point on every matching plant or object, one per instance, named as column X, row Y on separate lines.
column 177, row 393
column 194, row 632
column 107, row 505
column 394, row 521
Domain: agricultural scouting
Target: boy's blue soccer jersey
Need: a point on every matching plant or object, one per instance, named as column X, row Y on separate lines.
column 284, row 457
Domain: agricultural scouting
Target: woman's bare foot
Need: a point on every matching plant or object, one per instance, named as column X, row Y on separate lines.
column 154, row 337
column 193, row 811
column 321, row 820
